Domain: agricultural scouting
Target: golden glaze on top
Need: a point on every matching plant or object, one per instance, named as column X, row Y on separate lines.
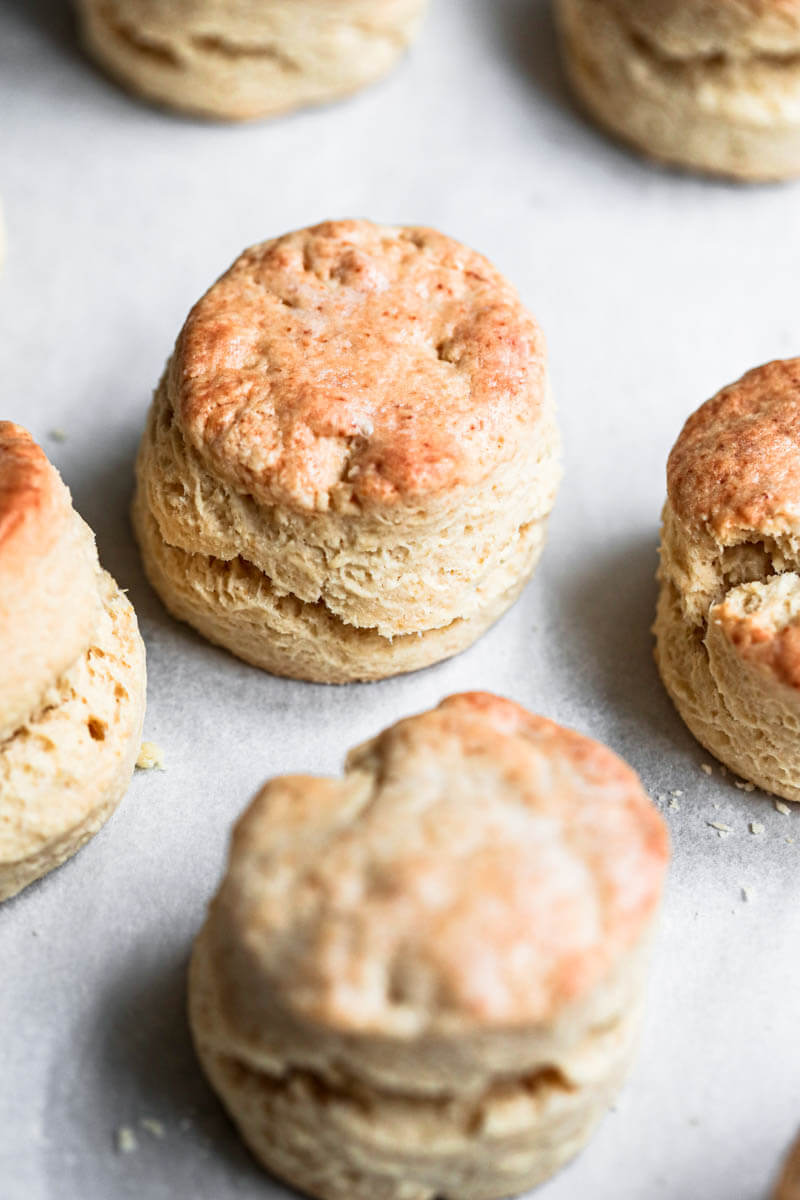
column 354, row 361
column 33, row 501
column 477, row 866
column 735, row 469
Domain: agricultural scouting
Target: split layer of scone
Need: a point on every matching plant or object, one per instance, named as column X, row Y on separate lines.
column 709, row 86
column 350, row 461
column 72, row 672
column 728, row 621
column 425, row 979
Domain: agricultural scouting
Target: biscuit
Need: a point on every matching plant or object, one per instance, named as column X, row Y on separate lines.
column 728, row 620
column 72, row 676
column 349, row 463
column 711, row 87
column 251, row 58
column 425, row 979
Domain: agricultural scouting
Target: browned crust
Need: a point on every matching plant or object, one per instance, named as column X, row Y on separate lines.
column 352, row 362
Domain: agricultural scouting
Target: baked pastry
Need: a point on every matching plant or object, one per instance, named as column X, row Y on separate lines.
column 349, row 462
column 72, row 674
column 709, row 86
column 251, row 58
column 424, row 979
column 728, row 620
column 789, row 1183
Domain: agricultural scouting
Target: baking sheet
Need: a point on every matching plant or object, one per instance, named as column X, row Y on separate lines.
column 654, row 290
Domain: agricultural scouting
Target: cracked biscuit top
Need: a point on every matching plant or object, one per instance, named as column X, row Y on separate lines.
column 686, row 30
column 477, row 866
column 735, row 469
column 359, row 362
column 34, row 504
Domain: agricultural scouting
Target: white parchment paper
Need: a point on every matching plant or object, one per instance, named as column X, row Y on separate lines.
column 654, row 290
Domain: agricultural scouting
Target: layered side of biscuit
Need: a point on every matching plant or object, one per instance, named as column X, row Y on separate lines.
column 349, row 463
column 425, row 979
column 237, row 62
column 728, row 622
column 715, row 87
column 72, row 674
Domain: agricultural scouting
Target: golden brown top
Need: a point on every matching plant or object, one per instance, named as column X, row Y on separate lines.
column 477, row 866
column 34, row 504
column 735, row 469
column 354, row 361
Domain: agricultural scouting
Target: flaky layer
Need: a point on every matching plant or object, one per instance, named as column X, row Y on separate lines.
column 65, row 769
column 739, row 708
column 48, row 563
column 685, row 100
column 237, row 606
column 336, row 1135
column 405, row 569
column 248, row 59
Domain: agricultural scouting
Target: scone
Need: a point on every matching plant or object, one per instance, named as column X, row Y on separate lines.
column 789, row 1183
column 709, row 86
column 728, row 620
column 72, row 673
column 350, row 460
column 424, row 979
column 249, row 58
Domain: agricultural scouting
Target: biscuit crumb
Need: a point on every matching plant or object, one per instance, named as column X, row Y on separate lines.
column 756, row 827
column 126, row 1140
column 676, row 792
column 150, row 756
column 661, row 797
column 706, row 769
column 720, row 826
column 747, row 894
column 152, row 1126
column 782, row 808
column 743, row 786
column 57, row 435
column 674, row 805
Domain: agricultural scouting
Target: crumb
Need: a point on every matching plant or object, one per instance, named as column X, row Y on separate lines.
column 790, row 841
column 152, row 1126
column 706, row 769
column 150, row 755
column 747, row 894
column 676, row 792
column 57, row 435
column 126, row 1140
column 717, row 806
column 756, row 827
column 718, row 825
column 661, row 797
column 674, row 805
column 782, row 808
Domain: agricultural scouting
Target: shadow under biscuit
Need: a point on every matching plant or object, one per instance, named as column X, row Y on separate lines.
column 54, row 19
column 606, row 611
column 129, row 1111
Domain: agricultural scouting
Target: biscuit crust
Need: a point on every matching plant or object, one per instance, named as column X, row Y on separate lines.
column 48, row 590
column 251, row 58
column 708, row 87
column 424, row 979
column 728, row 621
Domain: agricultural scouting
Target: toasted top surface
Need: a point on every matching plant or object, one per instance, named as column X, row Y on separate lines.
column 687, row 29
column 735, row 469
column 476, row 867
column 34, row 504
column 355, row 360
